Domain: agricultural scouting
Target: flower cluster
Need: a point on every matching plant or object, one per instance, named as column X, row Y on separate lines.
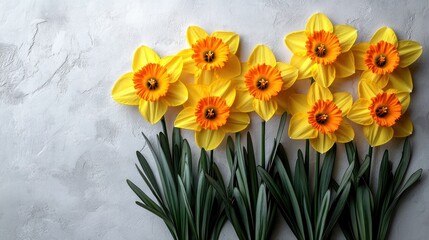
column 226, row 90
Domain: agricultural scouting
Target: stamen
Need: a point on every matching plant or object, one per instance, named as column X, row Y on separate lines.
column 381, row 61
column 262, row 84
column 322, row 118
column 210, row 113
column 152, row 83
column 320, row 50
column 381, row 111
column 209, row 56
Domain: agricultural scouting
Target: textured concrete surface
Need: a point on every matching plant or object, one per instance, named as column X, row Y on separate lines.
column 67, row 148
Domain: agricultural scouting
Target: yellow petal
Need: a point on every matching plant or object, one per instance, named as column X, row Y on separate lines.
column 346, row 35
column 194, row 33
column 177, row 94
column 204, row 77
column 299, row 128
column 231, row 69
column 304, row 65
column 297, row 103
column 224, row 90
column 368, row 89
column 317, row 92
column 404, row 127
column 405, row 100
column 401, row 80
column 152, row 111
column 322, row 143
column 377, row 135
column 142, row 56
column 261, row 55
column 265, row 109
column 324, row 74
column 230, row 38
column 408, row 51
column 384, row 34
column 345, row 132
column 380, row 80
column 195, row 94
column 359, row 52
column 236, row 122
column 186, row 119
column 124, row 92
column 344, row 65
column 344, row 101
column 209, row 139
column 319, row 22
column 295, row 41
column 282, row 105
column 188, row 61
column 289, row 74
column 243, row 102
column 359, row 113
column 174, row 65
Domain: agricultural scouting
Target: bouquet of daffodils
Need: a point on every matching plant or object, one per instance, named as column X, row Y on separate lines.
column 216, row 93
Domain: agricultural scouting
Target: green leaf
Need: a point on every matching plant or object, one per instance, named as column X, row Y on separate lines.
column 286, row 184
column 326, row 172
column 242, row 207
column 346, row 177
column 300, row 182
column 402, row 167
column 337, row 208
column 363, row 212
column 278, row 138
column 149, row 203
column 364, row 167
column 309, row 224
column 384, row 182
column 184, row 197
column 253, row 175
column 149, row 177
column 261, row 215
column 322, row 215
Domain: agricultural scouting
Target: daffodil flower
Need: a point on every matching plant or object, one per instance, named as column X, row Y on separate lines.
column 320, row 117
column 211, row 56
column 322, row 51
column 153, row 84
column 385, row 58
column 381, row 113
column 263, row 81
column 212, row 111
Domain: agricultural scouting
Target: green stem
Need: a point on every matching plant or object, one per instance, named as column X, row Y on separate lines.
column 211, row 158
column 263, row 144
column 316, row 187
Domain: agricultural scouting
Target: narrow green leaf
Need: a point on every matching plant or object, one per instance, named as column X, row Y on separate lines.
column 307, row 213
column 363, row 212
column 384, row 182
column 402, row 167
column 326, row 172
column 322, row 215
column 337, row 208
column 244, row 216
column 253, row 175
column 278, row 138
column 186, row 206
column 261, row 215
column 346, row 177
column 149, row 203
column 363, row 167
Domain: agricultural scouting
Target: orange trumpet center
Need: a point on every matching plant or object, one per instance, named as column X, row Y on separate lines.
column 382, row 58
column 151, row 82
column 323, row 47
column 212, row 112
column 325, row 116
column 210, row 53
column 263, row 81
column 385, row 109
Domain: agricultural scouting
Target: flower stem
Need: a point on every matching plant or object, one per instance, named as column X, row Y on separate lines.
column 263, row 144
column 307, row 156
column 211, row 157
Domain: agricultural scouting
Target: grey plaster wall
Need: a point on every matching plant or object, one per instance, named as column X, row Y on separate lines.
column 66, row 147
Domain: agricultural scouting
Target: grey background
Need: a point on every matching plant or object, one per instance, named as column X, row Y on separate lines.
column 66, row 147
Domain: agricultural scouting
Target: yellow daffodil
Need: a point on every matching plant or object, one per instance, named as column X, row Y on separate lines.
column 263, row 81
column 211, row 56
column 322, row 51
column 212, row 111
column 153, row 84
column 385, row 58
column 319, row 116
column 381, row 113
